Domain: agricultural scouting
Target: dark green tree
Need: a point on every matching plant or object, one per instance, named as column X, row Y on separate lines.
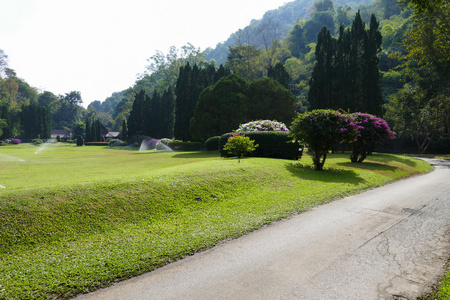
column 232, row 101
column 280, row 74
column 346, row 73
column 124, row 131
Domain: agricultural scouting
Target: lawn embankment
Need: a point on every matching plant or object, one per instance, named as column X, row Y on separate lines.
column 63, row 240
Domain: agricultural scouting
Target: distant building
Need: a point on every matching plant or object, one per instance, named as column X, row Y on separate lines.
column 63, row 134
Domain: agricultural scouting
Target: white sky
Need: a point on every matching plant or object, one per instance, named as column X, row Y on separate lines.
column 99, row 47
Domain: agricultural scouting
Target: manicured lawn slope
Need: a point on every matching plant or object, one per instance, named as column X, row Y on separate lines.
column 150, row 209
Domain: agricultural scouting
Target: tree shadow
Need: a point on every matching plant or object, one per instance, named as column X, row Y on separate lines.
column 372, row 166
column 395, row 158
column 307, row 172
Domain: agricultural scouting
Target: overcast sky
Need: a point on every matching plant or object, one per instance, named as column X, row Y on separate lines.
column 99, row 47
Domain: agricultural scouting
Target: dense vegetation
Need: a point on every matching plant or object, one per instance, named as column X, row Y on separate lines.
column 375, row 57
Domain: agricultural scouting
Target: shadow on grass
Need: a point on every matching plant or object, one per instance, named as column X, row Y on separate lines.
column 196, row 154
column 367, row 166
column 393, row 158
column 307, row 172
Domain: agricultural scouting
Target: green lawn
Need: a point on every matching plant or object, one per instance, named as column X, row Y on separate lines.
column 73, row 219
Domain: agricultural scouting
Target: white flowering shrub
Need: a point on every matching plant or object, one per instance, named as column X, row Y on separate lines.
column 262, row 125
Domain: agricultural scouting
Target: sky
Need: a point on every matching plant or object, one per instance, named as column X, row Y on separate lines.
column 99, row 47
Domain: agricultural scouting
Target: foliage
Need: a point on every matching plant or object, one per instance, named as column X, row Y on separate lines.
column 262, row 125
column 372, row 131
column 269, row 99
column 115, row 143
column 428, row 54
column 239, row 145
column 58, row 138
column 60, row 241
column 36, row 122
column 80, row 141
column 233, row 101
column 272, row 144
column 185, row 146
column 151, row 116
column 320, row 130
column 37, row 142
column 16, row 141
column 95, row 143
column 220, row 108
column 212, row 143
column 416, row 116
column 191, row 82
column 346, row 74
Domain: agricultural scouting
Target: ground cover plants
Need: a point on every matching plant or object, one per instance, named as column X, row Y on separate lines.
column 119, row 213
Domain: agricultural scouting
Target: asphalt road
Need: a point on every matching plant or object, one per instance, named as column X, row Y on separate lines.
column 392, row 242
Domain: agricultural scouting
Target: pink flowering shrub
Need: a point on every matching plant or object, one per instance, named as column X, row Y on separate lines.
column 321, row 129
column 239, row 145
column 372, row 130
column 262, row 125
column 16, row 141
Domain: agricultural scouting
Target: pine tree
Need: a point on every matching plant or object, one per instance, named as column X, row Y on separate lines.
column 124, row 131
column 346, row 73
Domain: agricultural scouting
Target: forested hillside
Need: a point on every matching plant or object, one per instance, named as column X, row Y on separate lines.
column 281, row 21
column 376, row 56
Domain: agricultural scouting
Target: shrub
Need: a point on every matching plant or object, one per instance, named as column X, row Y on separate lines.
column 273, row 144
column 320, row 130
column 115, row 143
column 37, row 142
column 372, row 131
column 239, row 145
column 16, row 141
column 185, row 146
column 58, row 138
column 262, row 125
column 212, row 143
column 80, row 141
column 95, row 143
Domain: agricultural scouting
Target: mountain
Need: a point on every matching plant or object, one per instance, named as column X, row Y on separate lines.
column 285, row 18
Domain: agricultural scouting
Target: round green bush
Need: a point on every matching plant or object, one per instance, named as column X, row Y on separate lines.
column 212, row 143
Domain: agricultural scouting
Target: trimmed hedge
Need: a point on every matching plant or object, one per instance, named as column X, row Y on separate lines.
column 212, row 143
column 185, row 146
column 273, row 144
column 96, row 144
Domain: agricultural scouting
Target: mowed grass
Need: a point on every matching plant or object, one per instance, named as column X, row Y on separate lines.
column 74, row 219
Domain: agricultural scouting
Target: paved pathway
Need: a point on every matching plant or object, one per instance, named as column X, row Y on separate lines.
column 388, row 243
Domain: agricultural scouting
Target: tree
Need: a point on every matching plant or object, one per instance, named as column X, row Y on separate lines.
column 239, row 146
column 124, row 131
column 74, row 98
column 191, row 82
column 221, row 108
column 246, row 61
column 233, row 101
column 35, row 122
column 268, row 99
column 372, row 131
column 346, row 74
column 280, row 74
column 320, row 130
column 428, row 50
column 415, row 115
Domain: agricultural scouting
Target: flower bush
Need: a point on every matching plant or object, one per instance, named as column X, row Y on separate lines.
column 16, row 141
column 262, row 125
column 239, row 145
column 321, row 129
column 372, row 130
